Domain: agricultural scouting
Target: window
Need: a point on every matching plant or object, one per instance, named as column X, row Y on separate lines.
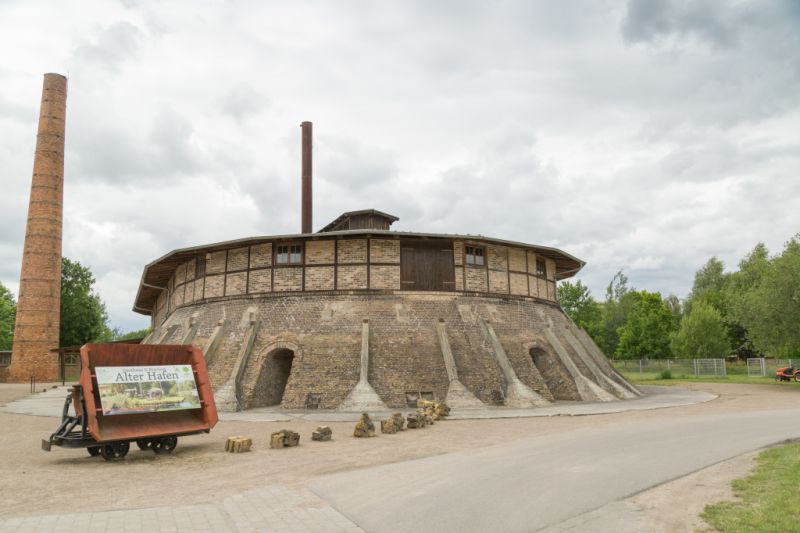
column 289, row 254
column 541, row 268
column 5, row 358
column 200, row 267
column 475, row 255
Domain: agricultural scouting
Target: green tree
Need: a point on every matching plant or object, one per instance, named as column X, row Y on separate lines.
column 647, row 330
column 619, row 301
column 138, row 334
column 8, row 313
column 673, row 303
column 578, row 304
column 83, row 314
column 739, row 292
column 617, row 287
column 709, row 286
column 712, row 286
column 765, row 297
column 702, row 333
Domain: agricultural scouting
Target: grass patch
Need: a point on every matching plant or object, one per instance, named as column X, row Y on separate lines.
column 767, row 499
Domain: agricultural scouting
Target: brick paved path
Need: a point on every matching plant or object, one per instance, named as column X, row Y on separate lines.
column 272, row 508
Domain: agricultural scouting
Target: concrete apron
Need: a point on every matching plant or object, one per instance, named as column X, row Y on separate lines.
column 50, row 404
column 654, row 398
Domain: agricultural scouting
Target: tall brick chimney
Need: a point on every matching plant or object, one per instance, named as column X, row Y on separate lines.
column 38, row 306
column 306, row 204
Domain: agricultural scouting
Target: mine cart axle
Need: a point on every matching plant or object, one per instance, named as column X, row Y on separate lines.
column 72, row 434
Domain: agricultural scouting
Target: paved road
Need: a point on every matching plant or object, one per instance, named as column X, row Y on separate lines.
column 553, row 482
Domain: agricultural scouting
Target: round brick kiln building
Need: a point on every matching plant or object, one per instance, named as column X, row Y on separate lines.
column 357, row 316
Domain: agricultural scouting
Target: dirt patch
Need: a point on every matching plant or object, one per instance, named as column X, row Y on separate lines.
column 14, row 391
column 676, row 506
column 200, row 470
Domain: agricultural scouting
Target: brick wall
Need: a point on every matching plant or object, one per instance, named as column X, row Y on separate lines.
column 260, row 281
column 215, row 262
column 320, row 252
column 238, row 259
column 236, row 283
column 261, row 255
column 351, row 277
column 323, row 331
column 384, row 277
column 320, row 278
column 287, row 279
column 352, row 251
column 384, row 251
column 345, row 265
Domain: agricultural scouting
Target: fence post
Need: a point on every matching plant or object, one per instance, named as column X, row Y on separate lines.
column 641, row 376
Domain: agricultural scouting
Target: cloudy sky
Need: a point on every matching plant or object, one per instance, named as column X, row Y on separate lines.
column 647, row 135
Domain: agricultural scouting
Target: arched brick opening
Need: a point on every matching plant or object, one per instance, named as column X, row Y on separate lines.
column 269, row 374
column 554, row 373
column 274, row 376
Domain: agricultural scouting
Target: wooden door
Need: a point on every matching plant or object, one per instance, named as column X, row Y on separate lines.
column 426, row 266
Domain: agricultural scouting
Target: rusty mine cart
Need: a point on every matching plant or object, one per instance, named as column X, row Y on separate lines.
column 144, row 393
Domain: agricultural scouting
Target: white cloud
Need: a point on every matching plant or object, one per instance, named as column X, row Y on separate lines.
column 646, row 137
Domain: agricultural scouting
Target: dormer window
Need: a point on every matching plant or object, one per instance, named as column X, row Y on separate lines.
column 475, row 255
column 289, row 254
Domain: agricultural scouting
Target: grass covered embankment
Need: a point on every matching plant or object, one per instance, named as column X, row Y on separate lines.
column 768, row 500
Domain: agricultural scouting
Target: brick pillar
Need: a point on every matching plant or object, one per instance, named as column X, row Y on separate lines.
column 39, row 300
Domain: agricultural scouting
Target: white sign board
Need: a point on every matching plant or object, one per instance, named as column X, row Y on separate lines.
column 146, row 389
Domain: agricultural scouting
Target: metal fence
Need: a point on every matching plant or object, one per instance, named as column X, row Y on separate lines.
column 653, row 368
column 710, row 367
column 761, row 366
column 756, row 367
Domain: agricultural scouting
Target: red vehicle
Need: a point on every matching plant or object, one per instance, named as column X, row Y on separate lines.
column 787, row 373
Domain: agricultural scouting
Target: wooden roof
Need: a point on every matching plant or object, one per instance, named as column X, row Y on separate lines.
column 350, row 214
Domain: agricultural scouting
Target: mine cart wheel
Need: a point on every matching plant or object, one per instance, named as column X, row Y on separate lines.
column 94, row 451
column 144, row 444
column 116, row 450
column 164, row 444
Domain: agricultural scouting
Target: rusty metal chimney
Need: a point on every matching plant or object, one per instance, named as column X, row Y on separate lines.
column 307, row 204
column 36, row 329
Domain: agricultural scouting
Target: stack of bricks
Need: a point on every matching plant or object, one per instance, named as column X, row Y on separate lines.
column 238, row 444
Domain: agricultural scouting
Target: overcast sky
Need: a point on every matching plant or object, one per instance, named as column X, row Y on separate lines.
column 647, row 135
